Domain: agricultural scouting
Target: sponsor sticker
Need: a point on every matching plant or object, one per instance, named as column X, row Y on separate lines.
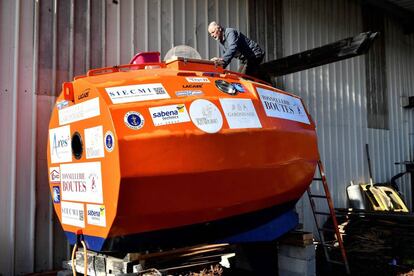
column 282, row 106
column 62, row 104
column 81, row 182
column 54, row 174
column 169, row 114
column 240, row 113
column 192, row 86
column 73, row 214
column 134, row 120
column 186, row 93
column 60, row 144
column 84, row 94
column 198, row 79
column 137, row 93
column 96, row 214
column 94, row 142
column 109, row 141
column 206, row 116
column 80, row 111
column 56, row 194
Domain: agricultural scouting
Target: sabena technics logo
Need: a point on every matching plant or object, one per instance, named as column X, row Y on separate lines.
column 169, row 114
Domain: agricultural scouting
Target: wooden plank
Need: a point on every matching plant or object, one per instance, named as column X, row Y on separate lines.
column 329, row 53
column 297, row 238
column 178, row 252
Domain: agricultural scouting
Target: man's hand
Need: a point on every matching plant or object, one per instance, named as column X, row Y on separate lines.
column 217, row 61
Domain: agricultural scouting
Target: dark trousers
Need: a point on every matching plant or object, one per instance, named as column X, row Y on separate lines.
column 251, row 67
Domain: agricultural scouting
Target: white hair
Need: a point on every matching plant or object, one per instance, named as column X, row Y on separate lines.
column 213, row 24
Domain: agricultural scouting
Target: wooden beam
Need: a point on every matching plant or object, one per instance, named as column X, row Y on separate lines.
column 342, row 49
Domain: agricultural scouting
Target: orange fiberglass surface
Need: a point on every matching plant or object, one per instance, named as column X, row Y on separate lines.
column 139, row 152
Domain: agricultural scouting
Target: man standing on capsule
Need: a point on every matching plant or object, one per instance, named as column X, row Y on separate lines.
column 234, row 44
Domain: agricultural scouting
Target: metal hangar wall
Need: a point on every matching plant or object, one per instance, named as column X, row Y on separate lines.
column 46, row 42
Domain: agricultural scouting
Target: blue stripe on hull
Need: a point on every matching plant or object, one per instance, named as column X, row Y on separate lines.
column 269, row 231
column 264, row 225
column 92, row 242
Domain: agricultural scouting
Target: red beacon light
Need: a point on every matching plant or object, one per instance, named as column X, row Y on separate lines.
column 146, row 57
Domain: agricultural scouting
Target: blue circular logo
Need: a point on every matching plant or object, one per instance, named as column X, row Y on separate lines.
column 109, row 141
column 134, row 120
column 56, row 194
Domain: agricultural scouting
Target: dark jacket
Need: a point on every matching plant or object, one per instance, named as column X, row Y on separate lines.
column 235, row 44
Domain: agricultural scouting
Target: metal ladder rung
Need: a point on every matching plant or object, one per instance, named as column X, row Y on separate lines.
column 318, row 196
column 322, row 213
column 328, row 245
column 327, row 230
column 336, row 262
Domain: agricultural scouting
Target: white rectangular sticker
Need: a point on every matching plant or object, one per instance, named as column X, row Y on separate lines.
column 169, row 114
column 282, row 106
column 137, row 93
column 197, row 79
column 94, row 142
column 81, row 182
column 80, row 111
column 60, row 144
column 54, row 174
column 96, row 214
column 240, row 113
column 73, row 214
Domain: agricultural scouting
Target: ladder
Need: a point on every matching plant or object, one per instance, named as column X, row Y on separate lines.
column 322, row 230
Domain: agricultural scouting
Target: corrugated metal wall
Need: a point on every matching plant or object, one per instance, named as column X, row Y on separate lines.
column 397, row 144
column 47, row 42
column 18, row 139
column 335, row 95
column 44, row 43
